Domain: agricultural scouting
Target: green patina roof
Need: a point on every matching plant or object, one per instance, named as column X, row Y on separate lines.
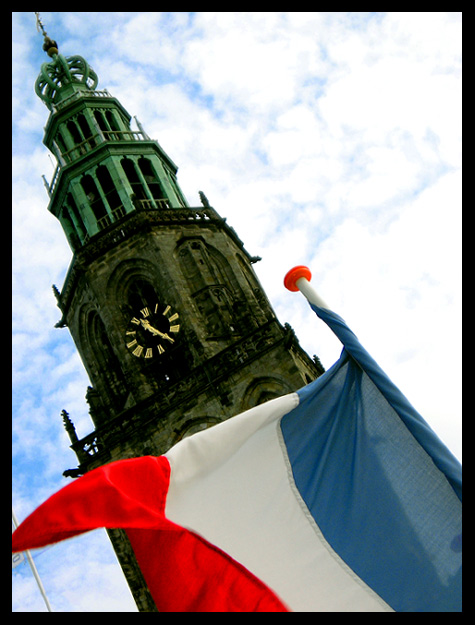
column 63, row 76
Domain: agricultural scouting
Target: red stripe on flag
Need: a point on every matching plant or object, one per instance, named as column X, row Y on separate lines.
column 183, row 571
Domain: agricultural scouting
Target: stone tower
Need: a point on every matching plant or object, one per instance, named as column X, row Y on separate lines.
column 161, row 299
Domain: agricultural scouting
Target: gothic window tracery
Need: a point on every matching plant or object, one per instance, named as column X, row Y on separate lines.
column 213, row 286
column 262, row 389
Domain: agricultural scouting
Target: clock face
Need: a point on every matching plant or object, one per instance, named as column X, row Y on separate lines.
column 152, row 331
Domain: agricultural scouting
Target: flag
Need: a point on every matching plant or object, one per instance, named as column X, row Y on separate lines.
column 338, row 497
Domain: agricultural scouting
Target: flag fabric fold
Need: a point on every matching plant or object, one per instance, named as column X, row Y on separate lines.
column 439, row 453
column 183, row 571
column 338, row 497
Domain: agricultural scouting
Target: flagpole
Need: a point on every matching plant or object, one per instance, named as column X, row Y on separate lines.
column 298, row 279
column 33, row 568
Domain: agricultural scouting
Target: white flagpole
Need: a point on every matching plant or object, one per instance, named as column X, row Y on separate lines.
column 298, row 279
column 33, row 568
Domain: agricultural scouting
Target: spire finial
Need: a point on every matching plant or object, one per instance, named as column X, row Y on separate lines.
column 49, row 46
column 39, row 24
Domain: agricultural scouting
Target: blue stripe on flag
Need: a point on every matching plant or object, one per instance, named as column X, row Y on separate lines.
column 426, row 437
column 373, row 485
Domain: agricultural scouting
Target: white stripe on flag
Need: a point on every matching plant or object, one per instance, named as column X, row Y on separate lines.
column 233, row 486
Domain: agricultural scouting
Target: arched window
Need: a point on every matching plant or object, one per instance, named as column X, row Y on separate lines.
column 129, row 169
column 93, row 196
column 74, row 132
column 60, row 143
column 75, row 216
column 193, row 425
column 108, row 187
column 151, row 179
column 213, row 285
column 108, row 123
column 86, row 131
column 113, row 123
column 78, row 140
column 99, row 117
column 263, row 389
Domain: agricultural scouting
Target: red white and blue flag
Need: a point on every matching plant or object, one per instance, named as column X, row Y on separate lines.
column 338, row 497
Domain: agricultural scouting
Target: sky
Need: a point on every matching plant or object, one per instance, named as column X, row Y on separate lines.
column 330, row 139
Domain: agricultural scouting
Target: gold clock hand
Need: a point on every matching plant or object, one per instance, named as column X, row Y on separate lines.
column 146, row 324
column 169, row 338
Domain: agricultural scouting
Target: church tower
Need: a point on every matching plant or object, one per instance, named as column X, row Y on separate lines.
column 161, row 299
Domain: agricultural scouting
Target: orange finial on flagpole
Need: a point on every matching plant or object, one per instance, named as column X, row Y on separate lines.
column 291, row 277
column 298, row 279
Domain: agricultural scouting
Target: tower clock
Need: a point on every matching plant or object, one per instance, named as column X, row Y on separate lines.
column 161, row 298
column 152, row 330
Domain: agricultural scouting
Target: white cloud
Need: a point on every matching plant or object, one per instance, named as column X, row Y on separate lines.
column 251, row 58
column 63, row 569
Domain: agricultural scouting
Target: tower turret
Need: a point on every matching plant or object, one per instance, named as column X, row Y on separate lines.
column 161, row 298
column 106, row 170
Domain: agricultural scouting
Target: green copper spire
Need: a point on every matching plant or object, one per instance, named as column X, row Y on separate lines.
column 63, row 76
column 106, row 171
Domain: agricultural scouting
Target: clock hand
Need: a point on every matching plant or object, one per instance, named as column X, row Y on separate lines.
column 169, row 338
column 146, row 324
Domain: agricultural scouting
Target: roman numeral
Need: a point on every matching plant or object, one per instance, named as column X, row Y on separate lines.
column 175, row 328
column 145, row 312
column 138, row 351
